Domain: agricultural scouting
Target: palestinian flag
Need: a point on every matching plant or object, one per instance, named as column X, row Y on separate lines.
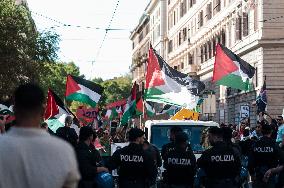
column 169, row 109
column 111, row 113
column 150, row 110
column 130, row 109
column 230, row 70
column 139, row 104
column 85, row 91
column 261, row 100
column 167, row 85
column 55, row 112
column 4, row 110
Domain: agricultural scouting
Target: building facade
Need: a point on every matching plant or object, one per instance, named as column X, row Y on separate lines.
column 250, row 29
column 253, row 29
column 140, row 37
column 151, row 30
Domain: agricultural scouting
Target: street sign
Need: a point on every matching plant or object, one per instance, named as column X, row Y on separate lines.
column 244, row 112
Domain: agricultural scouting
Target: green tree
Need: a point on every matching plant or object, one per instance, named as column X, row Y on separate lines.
column 115, row 89
column 54, row 76
column 22, row 48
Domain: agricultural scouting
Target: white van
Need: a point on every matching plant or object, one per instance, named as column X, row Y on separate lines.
column 158, row 132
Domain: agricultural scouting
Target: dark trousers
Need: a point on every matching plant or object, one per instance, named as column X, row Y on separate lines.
column 132, row 183
column 221, row 184
column 260, row 184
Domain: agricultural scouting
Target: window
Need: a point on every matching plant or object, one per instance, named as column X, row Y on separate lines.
column 214, row 47
column 170, row 46
column 245, row 24
column 239, row 28
column 182, row 65
column 205, row 52
column 179, row 38
column 209, row 11
column 141, row 36
column 200, row 19
column 183, row 8
column 201, row 54
column 169, row 2
column 190, row 3
column 223, row 38
column 209, row 50
column 217, row 6
column 190, row 59
column 184, row 33
column 174, row 17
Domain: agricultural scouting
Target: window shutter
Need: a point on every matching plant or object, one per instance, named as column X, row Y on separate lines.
column 245, row 24
column 255, row 18
column 238, row 28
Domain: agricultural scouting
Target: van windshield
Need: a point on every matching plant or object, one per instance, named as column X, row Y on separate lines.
column 160, row 135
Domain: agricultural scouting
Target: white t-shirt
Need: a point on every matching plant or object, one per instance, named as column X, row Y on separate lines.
column 31, row 158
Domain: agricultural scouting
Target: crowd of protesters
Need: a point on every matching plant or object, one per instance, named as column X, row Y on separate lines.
column 234, row 154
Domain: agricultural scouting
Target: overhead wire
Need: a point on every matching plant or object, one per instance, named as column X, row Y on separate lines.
column 108, row 28
column 105, row 35
column 73, row 25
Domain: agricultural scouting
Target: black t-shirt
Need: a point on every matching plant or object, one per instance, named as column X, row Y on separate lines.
column 264, row 155
column 220, row 162
column 181, row 166
column 133, row 163
column 68, row 134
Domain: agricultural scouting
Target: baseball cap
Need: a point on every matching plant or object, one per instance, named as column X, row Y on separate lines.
column 135, row 133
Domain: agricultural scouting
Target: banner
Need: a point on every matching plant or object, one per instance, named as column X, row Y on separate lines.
column 86, row 115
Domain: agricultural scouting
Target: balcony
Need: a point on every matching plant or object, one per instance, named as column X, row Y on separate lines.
column 190, row 70
column 206, row 66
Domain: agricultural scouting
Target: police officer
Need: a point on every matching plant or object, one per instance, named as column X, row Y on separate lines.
column 220, row 163
column 135, row 166
column 170, row 146
column 264, row 156
column 180, row 163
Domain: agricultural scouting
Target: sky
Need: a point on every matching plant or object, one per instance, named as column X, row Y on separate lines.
column 81, row 44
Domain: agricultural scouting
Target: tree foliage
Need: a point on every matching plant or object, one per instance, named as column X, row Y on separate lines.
column 114, row 89
column 22, row 49
column 54, row 75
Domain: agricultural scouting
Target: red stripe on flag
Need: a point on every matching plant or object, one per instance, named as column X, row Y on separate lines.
column 51, row 107
column 154, row 75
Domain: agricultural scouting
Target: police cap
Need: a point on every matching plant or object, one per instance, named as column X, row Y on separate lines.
column 135, row 133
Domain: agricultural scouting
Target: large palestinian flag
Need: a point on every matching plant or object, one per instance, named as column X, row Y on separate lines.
column 130, row 109
column 56, row 111
column 85, row 91
column 167, row 85
column 230, row 70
